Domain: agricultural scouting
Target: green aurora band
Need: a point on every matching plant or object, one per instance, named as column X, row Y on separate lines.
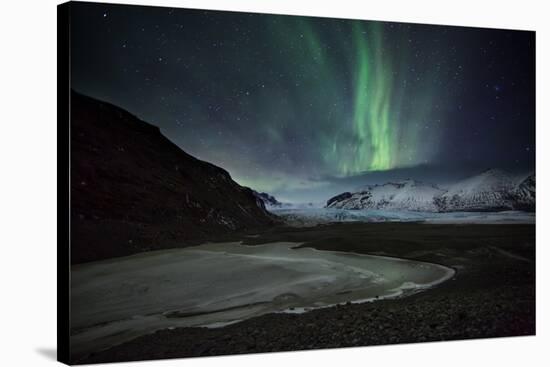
column 371, row 118
column 349, row 94
column 374, row 126
column 380, row 139
column 305, row 108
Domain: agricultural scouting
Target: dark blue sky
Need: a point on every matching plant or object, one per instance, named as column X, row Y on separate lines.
column 307, row 107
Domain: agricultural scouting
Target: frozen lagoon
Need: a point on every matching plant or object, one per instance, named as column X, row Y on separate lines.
column 216, row 284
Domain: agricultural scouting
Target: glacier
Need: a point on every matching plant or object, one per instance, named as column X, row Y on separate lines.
column 316, row 216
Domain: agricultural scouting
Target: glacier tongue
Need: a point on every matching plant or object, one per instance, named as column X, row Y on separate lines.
column 313, row 217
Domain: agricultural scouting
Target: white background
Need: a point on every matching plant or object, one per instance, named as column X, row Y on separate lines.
column 28, row 182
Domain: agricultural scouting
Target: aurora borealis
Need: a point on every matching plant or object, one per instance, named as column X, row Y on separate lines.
column 305, row 107
column 372, row 122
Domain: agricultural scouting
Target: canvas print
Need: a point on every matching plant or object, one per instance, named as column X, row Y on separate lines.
column 245, row 183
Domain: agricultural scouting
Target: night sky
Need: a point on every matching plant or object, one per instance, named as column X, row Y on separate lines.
column 304, row 107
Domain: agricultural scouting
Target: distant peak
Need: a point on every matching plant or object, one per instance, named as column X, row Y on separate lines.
column 494, row 172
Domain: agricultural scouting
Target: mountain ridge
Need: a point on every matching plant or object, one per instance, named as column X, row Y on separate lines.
column 491, row 190
column 134, row 190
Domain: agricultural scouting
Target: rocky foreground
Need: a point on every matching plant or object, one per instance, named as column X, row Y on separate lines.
column 492, row 295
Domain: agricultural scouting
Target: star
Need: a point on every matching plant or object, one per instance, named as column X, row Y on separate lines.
column 339, row 97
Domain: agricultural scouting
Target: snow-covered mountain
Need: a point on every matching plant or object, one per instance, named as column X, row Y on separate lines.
column 524, row 195
column 491, row 190
column 404, row 195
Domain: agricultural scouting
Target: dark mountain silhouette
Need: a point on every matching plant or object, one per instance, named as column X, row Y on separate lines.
column 267, row 200
column 134, row 190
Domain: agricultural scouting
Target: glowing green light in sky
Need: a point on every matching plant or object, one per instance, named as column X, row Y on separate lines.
column 340, row 102
column 372, row 121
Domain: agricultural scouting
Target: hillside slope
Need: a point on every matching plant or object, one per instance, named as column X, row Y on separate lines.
column 133, row 190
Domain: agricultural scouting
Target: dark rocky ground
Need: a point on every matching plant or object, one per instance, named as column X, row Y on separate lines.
column 491, row 295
